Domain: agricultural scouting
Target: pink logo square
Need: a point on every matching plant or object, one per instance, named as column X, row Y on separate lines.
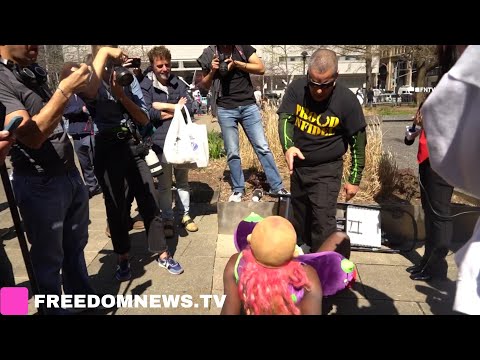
column 14, row 301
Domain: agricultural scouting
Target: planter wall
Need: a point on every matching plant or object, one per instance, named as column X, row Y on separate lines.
column 401, row 224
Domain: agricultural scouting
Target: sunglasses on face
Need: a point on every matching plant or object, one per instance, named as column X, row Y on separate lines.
column 317, row 85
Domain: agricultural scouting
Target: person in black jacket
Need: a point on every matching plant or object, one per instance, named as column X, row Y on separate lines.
column 162, row 91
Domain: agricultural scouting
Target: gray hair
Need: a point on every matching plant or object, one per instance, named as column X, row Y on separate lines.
column 323, row 60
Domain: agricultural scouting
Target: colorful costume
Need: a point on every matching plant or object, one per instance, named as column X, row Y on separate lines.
column 334, row 270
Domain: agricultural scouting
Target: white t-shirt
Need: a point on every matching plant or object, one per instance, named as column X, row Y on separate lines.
column 258, row 96
column 451, row 115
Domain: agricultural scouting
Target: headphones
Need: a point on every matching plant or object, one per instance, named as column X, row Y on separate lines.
column 31, row 76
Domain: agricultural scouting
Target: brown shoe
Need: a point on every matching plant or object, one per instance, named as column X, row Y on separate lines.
column 138, row 224
column 168, row 228
column 189, row 224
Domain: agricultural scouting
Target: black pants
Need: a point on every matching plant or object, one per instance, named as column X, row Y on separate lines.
column 314, row 201
column 117, row 165
column 436, row 193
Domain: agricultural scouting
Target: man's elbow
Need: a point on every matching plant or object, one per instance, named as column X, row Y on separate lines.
column 262, row 71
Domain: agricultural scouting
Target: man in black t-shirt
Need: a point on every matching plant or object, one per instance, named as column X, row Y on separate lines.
column 49, row 191
column 228, row 69
column 318, row 120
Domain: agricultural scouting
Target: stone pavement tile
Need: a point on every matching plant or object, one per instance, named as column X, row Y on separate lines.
column 218, row 273
column 373, row 258
column 201, row 245
column 207, row 224
column 225, row 246
column 372, row 307
column 436, row 307
column 90, row 256
column 96, row 241
column 16, row 259
column 393, row 283
column 215, row 310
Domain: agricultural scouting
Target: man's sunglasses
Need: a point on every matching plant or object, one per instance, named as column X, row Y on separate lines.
column 319, row 85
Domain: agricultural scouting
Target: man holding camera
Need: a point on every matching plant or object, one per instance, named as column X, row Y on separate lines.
column 227, row 68
column 162, row 91
column 49, row 191
column 120, row 159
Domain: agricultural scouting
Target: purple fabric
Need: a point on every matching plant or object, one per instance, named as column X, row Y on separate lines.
column 327, row 264
column 244, row 229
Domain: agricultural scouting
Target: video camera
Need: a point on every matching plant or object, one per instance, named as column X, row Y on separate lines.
column 223, row 66
column 123, row 75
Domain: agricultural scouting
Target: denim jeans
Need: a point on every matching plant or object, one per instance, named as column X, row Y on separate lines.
column 250, row 119
column 55, row 213
column 165, row 190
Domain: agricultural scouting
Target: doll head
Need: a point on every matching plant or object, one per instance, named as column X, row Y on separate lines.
column 273, row 241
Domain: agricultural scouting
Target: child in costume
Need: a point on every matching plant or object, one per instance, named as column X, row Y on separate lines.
column 335, row 271
column 263, row 279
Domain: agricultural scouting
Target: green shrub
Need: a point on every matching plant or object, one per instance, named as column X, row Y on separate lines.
column 215, row 145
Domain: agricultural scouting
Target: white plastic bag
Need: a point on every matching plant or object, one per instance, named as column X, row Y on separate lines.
column 178, row 147
column 199, row 142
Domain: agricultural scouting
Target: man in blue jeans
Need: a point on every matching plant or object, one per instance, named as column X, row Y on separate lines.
column 49, row 191
column 228, row 69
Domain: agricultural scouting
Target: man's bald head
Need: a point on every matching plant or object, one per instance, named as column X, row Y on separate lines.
column 323, row 60
column 273, row 241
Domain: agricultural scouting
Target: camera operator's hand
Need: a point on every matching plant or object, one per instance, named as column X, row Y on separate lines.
column 76, row 81
column 215, row 64
column 117, row 89
column 6, row 141
column 231, row 63
column 418, row 118
column 115, row 53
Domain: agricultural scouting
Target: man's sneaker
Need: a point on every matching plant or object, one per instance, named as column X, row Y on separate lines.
column 168, row 228
column 235, row 197
column 171, row 265
column 123, row 272
column 189, row 224
column 282, row 191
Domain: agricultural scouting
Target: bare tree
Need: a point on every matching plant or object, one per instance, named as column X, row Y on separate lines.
column 277, row 62
column 50, row 57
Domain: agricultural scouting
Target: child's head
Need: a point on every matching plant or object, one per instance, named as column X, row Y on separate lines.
column 273, row 241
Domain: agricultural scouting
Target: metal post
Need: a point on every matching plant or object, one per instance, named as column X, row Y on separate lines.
column 20, row 234
column 304, row 57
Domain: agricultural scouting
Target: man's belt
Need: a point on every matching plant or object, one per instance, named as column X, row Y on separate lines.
column 119, row 132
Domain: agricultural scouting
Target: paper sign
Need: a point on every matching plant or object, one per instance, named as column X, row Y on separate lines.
column 363, row 226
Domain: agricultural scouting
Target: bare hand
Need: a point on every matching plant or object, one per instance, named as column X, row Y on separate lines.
column 350, row 191
column 231, row 63
column 290, row 157
column 215, row 64
column 116, row 53
column 182, row 101
column 418, row 118
column 117, row 89
column 77, row 80
column 6, row 141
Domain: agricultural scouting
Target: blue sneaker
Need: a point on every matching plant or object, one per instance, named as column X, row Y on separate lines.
column 171, row 265
column 123, row 272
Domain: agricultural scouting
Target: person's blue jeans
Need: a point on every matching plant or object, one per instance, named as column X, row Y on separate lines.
column 55, row 213
column 250, row 119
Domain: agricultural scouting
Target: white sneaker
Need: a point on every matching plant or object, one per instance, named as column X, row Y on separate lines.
column 235, row 197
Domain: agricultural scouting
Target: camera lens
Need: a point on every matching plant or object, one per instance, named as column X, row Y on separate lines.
column 223, row 68
column 124, row 77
